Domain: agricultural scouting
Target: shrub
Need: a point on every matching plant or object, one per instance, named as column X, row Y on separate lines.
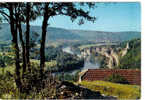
column 116, row 78
column 69, row 77
column 33, row 85
column 8, row 87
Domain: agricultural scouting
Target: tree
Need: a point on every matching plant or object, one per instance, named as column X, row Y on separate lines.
column 73, row 10
column 16, row 14
column 28, row 12
column 11, row 13
column 42, row 48
column 19, row 19
column 28, row 9
column 11, row 8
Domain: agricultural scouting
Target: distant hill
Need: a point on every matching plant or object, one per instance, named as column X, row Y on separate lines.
column 65, row 34
column 52, row 33
column 108, row 36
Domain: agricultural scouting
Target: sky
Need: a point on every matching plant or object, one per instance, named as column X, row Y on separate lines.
column 113, row 17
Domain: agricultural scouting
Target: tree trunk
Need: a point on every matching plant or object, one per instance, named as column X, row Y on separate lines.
column 28, row 36
column 42, row 48
column 15, row 46
column 23, row 46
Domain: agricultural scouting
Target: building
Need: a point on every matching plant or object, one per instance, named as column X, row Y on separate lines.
column 133, row 76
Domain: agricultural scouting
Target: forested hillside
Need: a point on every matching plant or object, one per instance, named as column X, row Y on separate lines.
column 65, row 34
column 133, row 58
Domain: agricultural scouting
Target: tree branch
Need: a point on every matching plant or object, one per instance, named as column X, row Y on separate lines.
column 2, row 12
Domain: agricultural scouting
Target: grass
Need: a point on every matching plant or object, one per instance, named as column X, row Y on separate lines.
column 8, row 88
column 120, row 91
column 10, row 69
column 51, row 63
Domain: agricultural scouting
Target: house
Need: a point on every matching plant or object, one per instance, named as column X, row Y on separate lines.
column 133, row 76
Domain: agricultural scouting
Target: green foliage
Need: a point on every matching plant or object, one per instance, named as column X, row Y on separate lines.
column 57, row 60
column 33, row 39
column 2, row 63
column 5, row 60
column 31, row 80
column 121, row 91
column 69, row 77
column 8, row 87
column 103, row 61
column 68, row 62
column 132, row 59
column 52, row 52
column 33, row 85
column 65, row 76
column 116, row 78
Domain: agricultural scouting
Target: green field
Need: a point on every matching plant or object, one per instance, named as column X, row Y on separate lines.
column 11, row 68
column 120, row 91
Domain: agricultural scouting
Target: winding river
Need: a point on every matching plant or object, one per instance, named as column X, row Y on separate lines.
column 91, row 62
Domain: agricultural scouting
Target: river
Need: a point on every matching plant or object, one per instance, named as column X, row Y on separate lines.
column 91, row 62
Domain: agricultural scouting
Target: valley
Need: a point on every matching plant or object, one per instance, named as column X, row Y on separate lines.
column 70, row 50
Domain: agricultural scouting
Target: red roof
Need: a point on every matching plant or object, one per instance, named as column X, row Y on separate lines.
column 133, row 76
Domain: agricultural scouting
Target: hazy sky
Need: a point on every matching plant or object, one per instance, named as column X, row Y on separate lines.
column 111, row 17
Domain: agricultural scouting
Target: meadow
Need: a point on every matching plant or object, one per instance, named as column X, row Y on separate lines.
column 120, row 91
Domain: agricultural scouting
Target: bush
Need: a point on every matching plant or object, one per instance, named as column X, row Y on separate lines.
column 116, row 78
column 8, row 87
column 69, row 77
column 33, row 85
column 5, row 60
